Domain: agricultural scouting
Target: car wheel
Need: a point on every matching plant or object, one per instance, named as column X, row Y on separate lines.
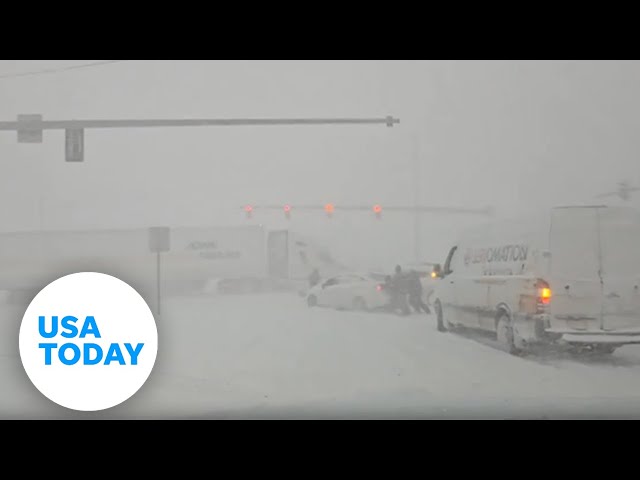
column 505, row 334
column 359, row 304
column 312, row 301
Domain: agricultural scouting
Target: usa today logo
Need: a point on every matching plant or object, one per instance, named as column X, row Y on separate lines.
column 88, row 341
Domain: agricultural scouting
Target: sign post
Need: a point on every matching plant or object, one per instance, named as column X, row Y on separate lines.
column 159, row 242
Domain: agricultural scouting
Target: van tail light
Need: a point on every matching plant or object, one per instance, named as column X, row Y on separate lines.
column 544, row 295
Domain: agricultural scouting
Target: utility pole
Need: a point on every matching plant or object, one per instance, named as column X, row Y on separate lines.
column 41, row 212
column 417, row 226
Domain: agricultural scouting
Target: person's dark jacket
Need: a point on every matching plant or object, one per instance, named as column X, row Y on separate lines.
column 414, row 286
column 402, row 283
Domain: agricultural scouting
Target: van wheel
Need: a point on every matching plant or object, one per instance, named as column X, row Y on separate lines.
column 312, row 301
column 359, row 304
column 604, row 349
column 443, row 325
column 505, row 334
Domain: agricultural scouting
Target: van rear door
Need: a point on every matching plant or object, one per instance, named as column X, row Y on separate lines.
column 575, row 268
column 620, row 257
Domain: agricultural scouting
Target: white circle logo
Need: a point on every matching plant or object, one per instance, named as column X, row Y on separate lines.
column 88, row 341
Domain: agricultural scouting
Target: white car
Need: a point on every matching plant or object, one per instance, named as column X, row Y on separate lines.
column 350, row 292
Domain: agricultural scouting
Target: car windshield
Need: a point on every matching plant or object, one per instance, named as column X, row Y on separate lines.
column 240, row 239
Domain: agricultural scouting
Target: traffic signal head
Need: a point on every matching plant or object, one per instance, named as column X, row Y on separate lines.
column 329, row 208
column 377, row 209
column 287, row 211
column 248, row 209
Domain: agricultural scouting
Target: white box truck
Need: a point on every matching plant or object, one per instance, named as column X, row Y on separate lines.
column 570, row 277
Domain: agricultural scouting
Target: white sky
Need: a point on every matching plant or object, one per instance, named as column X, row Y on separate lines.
column 514, row 135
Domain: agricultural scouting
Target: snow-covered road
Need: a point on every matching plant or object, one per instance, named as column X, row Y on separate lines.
column 269, row 356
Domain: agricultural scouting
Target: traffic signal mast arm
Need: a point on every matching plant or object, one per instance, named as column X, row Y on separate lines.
column 204, row 122
column 30, row 127
column 376, row 208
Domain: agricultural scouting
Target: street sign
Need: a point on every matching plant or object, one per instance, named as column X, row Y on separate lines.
column 74, row 145
column 29, row 129
column 159, row 239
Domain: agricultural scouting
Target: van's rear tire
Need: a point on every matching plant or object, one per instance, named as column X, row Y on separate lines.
column 604, row 349
column 505, row 334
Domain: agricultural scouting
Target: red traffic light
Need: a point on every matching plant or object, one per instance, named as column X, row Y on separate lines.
column 248, row 210
column 377, row 209
column 329, row 208
column 287, row 211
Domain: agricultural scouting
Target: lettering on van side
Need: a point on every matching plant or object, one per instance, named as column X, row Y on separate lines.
column 490, row 272
column 506, row 253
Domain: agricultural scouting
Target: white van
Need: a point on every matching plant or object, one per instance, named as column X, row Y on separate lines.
column 570, row 277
